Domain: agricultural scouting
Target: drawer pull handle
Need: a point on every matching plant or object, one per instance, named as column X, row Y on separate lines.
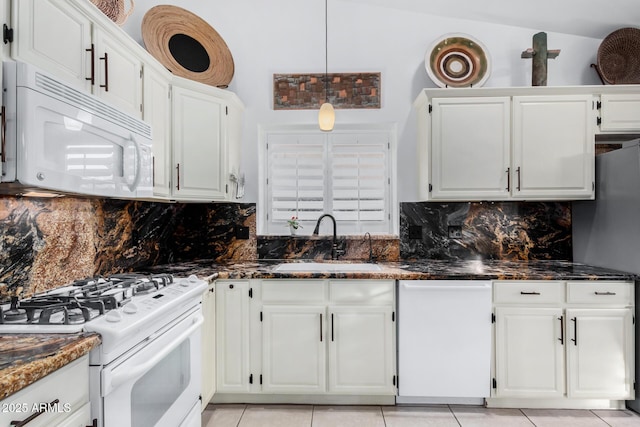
column 561, row 319
column 320, row 327
column 575, row 331
column 32, row 417
column 604, row 293
column 529, row 293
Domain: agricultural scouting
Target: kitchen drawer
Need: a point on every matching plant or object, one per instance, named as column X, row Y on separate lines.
column 528, row 292
column 69, row 384
column 293, row 290
column 362, row 291
column 600, row 292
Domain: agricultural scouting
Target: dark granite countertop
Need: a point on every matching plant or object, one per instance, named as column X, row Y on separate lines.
column 25, row 358
column 406, row 270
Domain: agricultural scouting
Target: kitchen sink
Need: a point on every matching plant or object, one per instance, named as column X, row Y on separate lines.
column 329, row 267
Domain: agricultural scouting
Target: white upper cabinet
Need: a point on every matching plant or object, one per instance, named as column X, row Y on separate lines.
column 118, row 72
column 521, row 143
column 68, row 39
column 5, row 19
column 157, row 112
column 196, row 127
column 202, row 133
column 553, row 147
column 55, row 36
column 619, row 113
column 470, row 148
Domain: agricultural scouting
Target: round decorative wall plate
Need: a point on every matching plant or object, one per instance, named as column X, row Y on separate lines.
column 187, row 46
column 457, row 60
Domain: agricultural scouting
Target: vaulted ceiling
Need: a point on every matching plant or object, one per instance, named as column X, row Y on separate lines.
column 588, row 18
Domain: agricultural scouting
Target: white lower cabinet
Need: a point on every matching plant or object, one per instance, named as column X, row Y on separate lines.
column 293, row 349
column 529, row 355
column 571, row 343
column 232, row 336
column 208, row 345
column 308, row 338
column 361, row 350
column 600, row 353
column 62, row 398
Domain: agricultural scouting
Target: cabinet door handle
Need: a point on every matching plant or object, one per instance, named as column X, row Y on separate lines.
column 320, row 327
column 105, row 58
column 331, row 327
column 604, row 293
column 561, row 319
column 575, row 331
column 32, row 417
column 529, row 293
column 178, row 180
column 3, row 135
column 153, row 171
column 508, row 179
column 518, row 173
column 92, row 79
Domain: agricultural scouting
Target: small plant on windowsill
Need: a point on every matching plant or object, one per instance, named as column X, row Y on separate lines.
column 294, row 224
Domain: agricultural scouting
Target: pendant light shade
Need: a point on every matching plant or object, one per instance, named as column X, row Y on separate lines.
column 327, row 115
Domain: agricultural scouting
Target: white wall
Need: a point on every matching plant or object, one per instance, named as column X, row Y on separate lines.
column 287, row 36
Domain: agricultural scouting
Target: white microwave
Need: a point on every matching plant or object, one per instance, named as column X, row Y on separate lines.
column 56, row 138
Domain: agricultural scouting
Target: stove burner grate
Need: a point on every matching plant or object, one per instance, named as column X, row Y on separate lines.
column 83, row 300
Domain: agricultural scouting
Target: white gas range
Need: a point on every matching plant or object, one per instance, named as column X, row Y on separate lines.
column 147, row 370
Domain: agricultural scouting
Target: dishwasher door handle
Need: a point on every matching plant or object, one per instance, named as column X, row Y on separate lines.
column 445, row 287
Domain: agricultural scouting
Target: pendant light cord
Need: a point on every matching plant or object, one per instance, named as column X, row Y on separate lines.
column 326, row 52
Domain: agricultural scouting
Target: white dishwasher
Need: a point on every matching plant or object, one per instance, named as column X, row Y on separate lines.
column 444, row 341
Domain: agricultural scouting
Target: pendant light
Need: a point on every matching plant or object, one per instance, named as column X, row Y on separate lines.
column 327, row 115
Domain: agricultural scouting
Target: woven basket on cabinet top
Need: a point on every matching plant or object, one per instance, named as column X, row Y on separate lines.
column 114, row 9
column 619, row 57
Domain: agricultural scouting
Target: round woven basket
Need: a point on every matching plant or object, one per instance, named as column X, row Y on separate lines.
column 619, row 57
column 187, row 46
column 114, row 9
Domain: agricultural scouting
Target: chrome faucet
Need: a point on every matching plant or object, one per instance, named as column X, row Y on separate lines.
column 335, row 252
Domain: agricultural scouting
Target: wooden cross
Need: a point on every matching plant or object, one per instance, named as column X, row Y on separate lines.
column 539, row 54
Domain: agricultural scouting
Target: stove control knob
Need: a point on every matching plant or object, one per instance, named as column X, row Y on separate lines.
column 189, row 281
column 130, row 308
column 113, row 316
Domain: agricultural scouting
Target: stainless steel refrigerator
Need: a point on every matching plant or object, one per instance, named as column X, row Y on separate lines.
column 606, row 231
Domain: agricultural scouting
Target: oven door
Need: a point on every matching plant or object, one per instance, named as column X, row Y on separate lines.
column 159, row 384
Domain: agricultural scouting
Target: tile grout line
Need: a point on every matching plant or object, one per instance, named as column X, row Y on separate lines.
column 454, row 415
column 384, row 420
column 600, row 418
column 241, row 415
column 527, row 417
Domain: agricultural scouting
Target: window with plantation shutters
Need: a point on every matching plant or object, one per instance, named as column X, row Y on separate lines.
column 344, row 173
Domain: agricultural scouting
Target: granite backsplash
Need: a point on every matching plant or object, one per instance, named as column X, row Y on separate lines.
column 46, row 243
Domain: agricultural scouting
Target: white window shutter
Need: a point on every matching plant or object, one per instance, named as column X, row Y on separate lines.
column 296, row 179
column 359, row 171
column 346, row 174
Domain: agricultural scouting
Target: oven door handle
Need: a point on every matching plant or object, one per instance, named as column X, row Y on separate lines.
column 138, row 370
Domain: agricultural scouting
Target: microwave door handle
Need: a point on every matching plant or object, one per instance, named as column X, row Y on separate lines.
column 139, row 370
column 138, row 162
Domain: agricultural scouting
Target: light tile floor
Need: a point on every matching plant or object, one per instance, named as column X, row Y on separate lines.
column 408, row 416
